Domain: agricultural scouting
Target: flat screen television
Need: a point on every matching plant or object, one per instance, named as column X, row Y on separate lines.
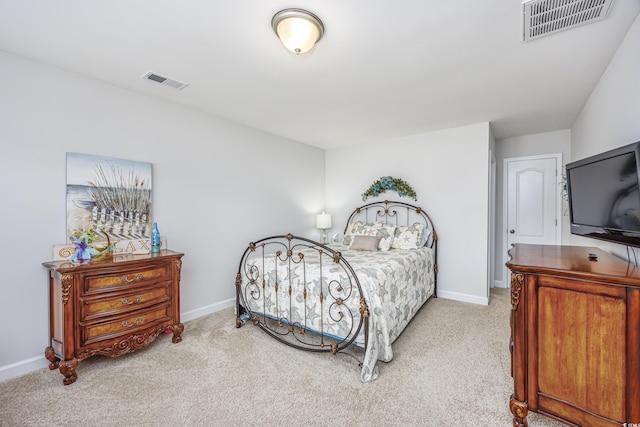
column 604, row 198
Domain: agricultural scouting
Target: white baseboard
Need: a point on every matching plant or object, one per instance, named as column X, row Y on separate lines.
column 499, row 284
column 22, row 367
column 37, row 362
column 203, row 311
column 463, row 297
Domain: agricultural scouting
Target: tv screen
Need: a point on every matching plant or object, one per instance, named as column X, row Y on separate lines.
column 604, row 198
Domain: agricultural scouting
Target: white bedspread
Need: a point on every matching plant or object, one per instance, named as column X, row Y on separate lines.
column 395, row 283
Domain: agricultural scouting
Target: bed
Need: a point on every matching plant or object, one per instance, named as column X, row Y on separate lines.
column 354, row 295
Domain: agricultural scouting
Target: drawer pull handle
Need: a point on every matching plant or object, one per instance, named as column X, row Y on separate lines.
column 138, row 321
column 137, row 277
column 127, row 302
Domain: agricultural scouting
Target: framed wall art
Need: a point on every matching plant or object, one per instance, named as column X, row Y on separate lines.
column 110, row 195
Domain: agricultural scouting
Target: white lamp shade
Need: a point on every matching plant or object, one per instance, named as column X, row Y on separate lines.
column 323, row 221
column 297, row 29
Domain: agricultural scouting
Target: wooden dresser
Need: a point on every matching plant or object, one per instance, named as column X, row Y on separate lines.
column 575, row 336
column 111, row 307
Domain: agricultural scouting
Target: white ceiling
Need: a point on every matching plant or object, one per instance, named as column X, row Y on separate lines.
column 384, row 69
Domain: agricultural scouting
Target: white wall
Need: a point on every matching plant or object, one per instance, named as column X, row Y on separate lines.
column 449, row 170
column 216, row 187
column 529, row 145
column 611, row 116
column 491, row 208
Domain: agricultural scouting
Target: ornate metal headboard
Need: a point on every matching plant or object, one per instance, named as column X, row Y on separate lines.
column 396, row 213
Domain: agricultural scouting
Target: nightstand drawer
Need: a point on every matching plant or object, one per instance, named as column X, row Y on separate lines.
column 138, row 320
column 126, row 279
column 109, row 305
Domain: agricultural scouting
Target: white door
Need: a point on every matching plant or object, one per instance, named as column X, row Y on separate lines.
column 532, row 201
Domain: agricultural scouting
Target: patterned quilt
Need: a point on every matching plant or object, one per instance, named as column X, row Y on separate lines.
column 395, row 283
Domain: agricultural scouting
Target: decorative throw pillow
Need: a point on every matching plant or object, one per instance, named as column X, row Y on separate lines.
column 408, row 237
column 385, row 232
column 365, row 243
column 352, row 229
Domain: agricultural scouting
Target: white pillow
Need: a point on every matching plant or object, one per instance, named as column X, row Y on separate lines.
column 352, row 229
column 408, row 237
column 386, row 233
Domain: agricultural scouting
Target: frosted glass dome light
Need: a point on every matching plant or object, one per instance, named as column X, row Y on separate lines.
column 297, row 29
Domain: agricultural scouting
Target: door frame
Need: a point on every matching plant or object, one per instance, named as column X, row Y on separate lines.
column 505, row 178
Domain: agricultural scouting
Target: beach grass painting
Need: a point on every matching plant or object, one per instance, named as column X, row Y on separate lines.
column 113, row 195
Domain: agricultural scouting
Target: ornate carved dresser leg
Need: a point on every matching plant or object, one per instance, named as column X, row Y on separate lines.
column 68, row 369
column 177, row 331
column 54, row 361
column 519, row 411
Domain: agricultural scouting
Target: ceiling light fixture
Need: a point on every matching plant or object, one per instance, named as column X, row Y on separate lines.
column 298, row 29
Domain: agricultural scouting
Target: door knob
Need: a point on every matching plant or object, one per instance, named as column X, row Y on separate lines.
column 512, row 231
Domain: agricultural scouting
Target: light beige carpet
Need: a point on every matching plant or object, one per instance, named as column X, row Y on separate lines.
column 451, row 368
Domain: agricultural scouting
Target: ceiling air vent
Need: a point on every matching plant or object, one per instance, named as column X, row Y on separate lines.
column 176, row 84
column 544, row 17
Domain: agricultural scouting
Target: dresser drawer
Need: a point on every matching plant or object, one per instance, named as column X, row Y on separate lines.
column 121, row 280
column 110, row 305
column 136, row 321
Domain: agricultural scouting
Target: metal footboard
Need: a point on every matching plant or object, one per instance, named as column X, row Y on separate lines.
column 302, row 293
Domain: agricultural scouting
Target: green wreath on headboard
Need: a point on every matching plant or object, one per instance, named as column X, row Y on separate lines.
column 389, row 183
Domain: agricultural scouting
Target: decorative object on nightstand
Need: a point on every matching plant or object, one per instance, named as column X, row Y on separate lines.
column 81, row 240
column 323, row 222
column 155, row 238
column 111, row 308
column 86, row 248
column 103, row 250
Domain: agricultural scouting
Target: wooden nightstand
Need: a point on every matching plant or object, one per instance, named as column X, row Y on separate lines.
column 111, row 307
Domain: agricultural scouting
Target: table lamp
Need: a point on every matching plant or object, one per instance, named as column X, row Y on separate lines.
column 323, row 222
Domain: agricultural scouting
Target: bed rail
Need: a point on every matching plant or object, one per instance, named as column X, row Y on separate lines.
column 302, row 293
